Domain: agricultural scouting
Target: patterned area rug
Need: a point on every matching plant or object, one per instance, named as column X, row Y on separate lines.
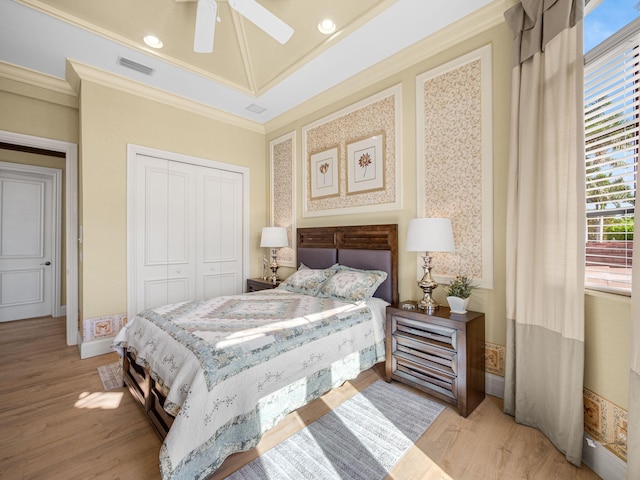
column 361, row 439
column 111, row 375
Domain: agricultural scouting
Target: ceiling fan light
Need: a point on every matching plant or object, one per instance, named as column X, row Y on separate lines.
column 153, row 41
column 327, row 26
column 206, row 16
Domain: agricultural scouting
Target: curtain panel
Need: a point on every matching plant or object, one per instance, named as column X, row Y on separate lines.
column 546, row 223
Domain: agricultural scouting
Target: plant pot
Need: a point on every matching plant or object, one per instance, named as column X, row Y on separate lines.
column 457, row 304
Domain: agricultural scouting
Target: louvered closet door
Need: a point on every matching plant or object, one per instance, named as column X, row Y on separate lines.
column 188, row 243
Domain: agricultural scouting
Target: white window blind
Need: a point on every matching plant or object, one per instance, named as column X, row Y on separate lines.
column 612, row 116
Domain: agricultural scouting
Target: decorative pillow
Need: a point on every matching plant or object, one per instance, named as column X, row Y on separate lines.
column 352, row 285
column 306, row 280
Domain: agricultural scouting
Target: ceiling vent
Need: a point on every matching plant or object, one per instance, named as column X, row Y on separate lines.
column 255, row 108
column 138, row 67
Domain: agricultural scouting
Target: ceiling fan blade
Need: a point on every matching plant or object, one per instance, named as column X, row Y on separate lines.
column 263, row 18
column 206, row 15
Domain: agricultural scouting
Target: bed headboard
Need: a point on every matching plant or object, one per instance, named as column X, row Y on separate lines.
column 369, row 247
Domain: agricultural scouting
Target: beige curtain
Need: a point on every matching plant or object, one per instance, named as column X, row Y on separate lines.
column 546, row 223
column 633, row 427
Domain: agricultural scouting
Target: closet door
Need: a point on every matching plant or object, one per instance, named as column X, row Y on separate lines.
column 188, row 232
column 219, row 230
column 165, row 248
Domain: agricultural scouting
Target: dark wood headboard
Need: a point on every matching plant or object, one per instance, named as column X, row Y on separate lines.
column 369, row 247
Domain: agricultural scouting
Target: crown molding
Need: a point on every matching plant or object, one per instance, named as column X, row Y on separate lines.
column 78, row 71
column 44, row 87
column 457, row 33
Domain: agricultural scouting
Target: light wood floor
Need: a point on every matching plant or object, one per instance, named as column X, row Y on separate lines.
column 56, row 422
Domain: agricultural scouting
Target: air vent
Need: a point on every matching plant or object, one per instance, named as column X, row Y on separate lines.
column 138, row 67
column 255, row 108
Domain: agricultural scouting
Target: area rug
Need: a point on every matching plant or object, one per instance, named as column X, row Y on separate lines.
column 111, row 375
column 361, row 439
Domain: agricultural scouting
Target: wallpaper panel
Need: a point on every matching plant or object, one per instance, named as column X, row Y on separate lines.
column 376, row 117
column 455, row 158
column 283, row 201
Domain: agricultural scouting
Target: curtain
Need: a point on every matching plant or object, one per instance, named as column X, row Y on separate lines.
column 546, row 223
column 633, row 427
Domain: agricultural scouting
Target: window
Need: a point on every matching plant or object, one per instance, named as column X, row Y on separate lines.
column 612, row 119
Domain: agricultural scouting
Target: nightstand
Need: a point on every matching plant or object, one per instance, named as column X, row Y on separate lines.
column 257, row 284
column 441, row 354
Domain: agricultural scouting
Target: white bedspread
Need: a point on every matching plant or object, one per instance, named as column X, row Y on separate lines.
column 235, row 366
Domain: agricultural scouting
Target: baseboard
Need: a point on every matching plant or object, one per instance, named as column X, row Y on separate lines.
column 602, row 461
column 94, row 348
column 494, row 385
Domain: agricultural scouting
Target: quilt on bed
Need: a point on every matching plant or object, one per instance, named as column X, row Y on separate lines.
column 234, row 366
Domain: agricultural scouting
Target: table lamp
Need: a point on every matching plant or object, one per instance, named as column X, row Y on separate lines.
column 429, row 235
column 274, row 238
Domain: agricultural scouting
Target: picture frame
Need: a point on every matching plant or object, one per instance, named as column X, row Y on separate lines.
column 323, row 167
column 365, row 164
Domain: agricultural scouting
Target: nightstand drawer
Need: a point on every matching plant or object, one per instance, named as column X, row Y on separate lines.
column 431, row 379
column 425, row 354
column 434, row 334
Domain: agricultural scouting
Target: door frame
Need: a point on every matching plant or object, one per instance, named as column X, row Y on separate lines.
column 132, row 152
column 55, row 175
column 70, row 151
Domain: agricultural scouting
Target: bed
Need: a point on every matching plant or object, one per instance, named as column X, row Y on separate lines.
column 212, row 376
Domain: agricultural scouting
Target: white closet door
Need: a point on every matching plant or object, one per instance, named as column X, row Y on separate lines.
column 165, row 218
column 188, row 234
column 219, row 228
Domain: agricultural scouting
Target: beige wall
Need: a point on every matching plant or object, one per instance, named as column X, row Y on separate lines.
column 36, row 111
column 110, row 119
column 607, row 344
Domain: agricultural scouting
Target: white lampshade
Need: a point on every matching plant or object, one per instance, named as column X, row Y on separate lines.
column 274, row 237
column 430, row 235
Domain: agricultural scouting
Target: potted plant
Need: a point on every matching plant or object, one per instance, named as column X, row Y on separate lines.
column 458, row 292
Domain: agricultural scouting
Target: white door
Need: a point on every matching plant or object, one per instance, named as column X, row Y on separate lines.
column 26, row 245
column 188, row 238
column 219, row 231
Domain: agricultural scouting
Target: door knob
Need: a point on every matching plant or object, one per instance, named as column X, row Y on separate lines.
column 46, row 263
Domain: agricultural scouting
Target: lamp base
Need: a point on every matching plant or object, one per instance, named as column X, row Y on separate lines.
column 428, row 285
column 274, row 267
column 428, row 304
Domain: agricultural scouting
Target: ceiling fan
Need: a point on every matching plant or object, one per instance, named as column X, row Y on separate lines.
column 206, row 16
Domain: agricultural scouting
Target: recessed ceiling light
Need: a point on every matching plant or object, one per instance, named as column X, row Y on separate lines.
column 327, row 26
column 153, row 41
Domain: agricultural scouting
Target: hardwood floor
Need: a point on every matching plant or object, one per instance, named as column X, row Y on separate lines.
column 56, row 422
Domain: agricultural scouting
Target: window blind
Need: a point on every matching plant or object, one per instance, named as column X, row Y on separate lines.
column 612, row 116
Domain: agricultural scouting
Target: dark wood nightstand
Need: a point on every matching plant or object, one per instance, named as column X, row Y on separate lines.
column 441, row 354
column 257, row 284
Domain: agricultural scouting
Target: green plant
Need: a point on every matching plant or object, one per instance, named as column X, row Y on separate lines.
column 460, row 286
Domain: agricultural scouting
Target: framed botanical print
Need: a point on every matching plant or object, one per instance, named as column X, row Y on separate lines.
column 324, row 173
column 365, row 164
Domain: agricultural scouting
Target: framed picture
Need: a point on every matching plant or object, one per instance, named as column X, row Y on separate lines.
column 324, row 173
column 365, row 164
